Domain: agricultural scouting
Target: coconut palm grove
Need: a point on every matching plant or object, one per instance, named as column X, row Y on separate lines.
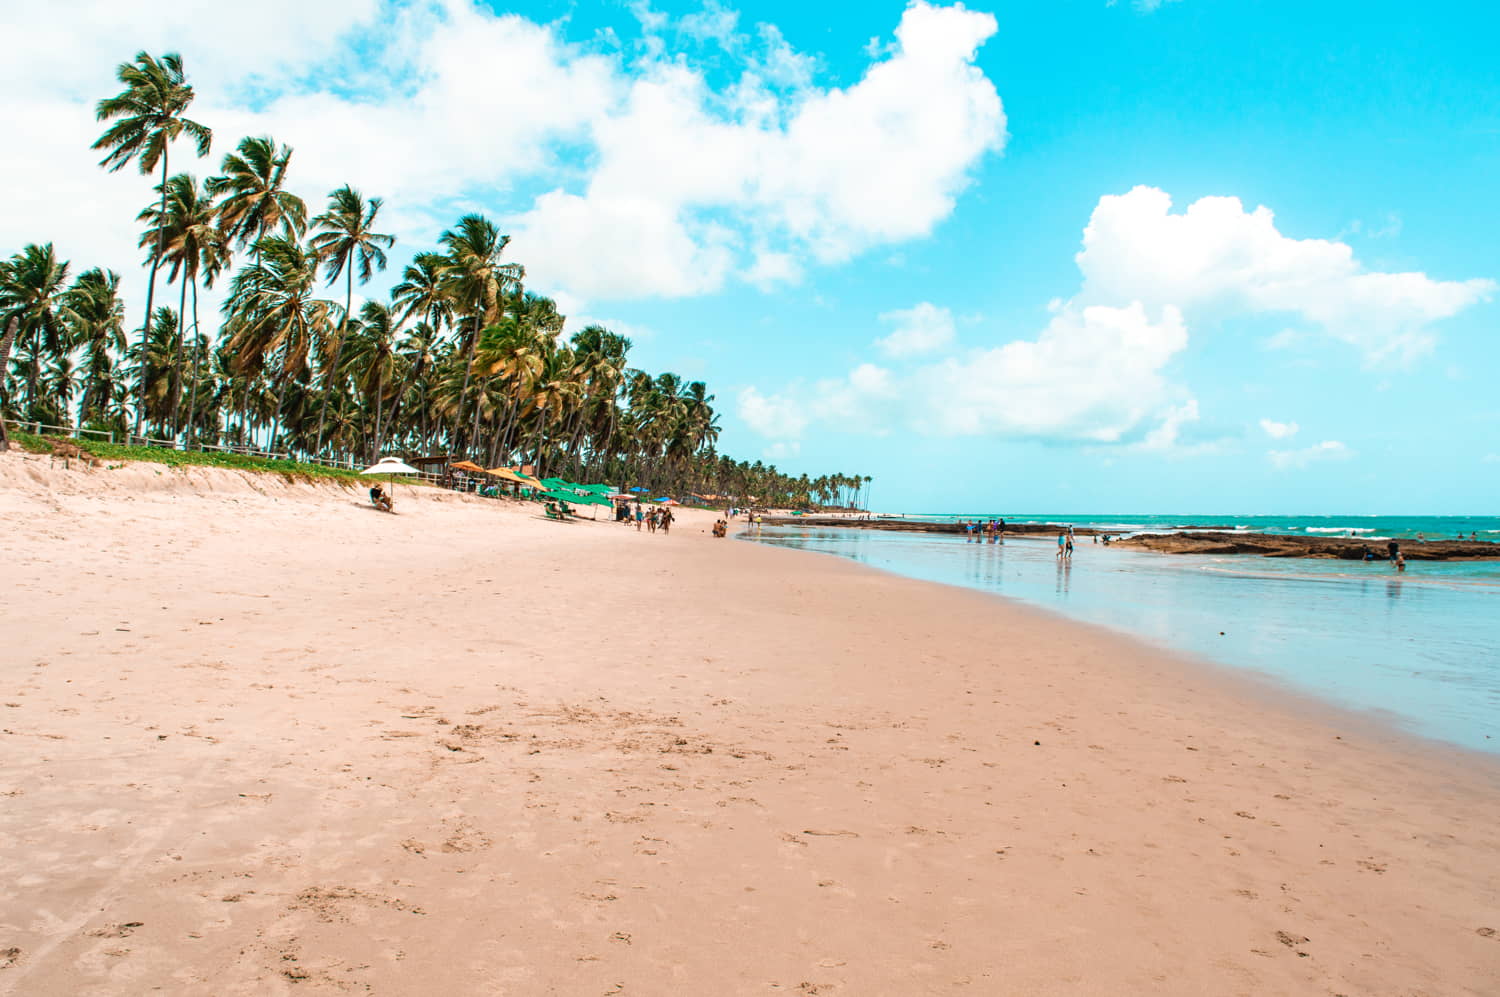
column 462, row 360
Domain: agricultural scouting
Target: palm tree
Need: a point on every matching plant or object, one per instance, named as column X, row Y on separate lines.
column 153, row 364
column 346, row 239
column 33, row 306
column 99, row 329
column 190, row 241
column 478, row 283
column 373, row 361
column 419, row 352
column 271, row 311
column 253, row 200
column 148, row 116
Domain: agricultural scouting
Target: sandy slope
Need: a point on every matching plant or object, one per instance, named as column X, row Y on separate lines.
column 258, row 739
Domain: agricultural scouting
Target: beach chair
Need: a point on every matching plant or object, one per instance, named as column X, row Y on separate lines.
column 553, row 512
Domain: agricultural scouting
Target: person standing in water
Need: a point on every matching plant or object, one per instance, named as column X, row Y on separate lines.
column 1062, row 539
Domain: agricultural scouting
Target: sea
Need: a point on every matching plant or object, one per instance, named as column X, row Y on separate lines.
column 1418, row 651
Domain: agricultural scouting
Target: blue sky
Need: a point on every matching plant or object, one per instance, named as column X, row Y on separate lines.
column 864, row 225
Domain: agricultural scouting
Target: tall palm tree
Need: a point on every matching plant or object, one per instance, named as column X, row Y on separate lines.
column 99, row 330
column 153, row 362
column 272, row 312
column 419, row 353
column 33, row 306
column 478, row 282
column 373, row 362
column 254, row 203
column 347, row 240
column 190, row 240
column 148, row 116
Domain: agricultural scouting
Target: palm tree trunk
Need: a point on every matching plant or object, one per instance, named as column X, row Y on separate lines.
column 161, row 232
column 338, row 349
column 463, row 394
column 379, row 411
column 176, row 393
column 5, row 345
column 197, row 370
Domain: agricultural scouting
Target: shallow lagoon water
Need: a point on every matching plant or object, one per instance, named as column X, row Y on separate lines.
column 1421, row 649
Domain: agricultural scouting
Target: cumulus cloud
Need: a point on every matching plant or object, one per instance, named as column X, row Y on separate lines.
column 1278, row 430
column 1294, row 459
column 621, row 173
column 1093, row 375
column 1099, row 372
column 923, row 328
column 822, row 174
column 1216, row 260
column 775, row 417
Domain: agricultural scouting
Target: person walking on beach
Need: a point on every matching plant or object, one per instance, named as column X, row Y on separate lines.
column 639, row 517
column 651, row 520
column 666, row 520
column 1062, row 540
column 1068, row 550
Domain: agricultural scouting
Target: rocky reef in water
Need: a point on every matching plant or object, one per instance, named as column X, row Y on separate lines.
column 1339, row 548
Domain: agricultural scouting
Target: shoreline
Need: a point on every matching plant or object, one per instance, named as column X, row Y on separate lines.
column 465, row 748
column 1190, row 540
column 1379, row 727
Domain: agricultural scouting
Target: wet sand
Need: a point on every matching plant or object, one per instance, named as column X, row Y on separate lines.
column 256, row 738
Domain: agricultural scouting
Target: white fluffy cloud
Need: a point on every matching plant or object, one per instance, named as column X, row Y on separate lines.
column 653, row 182
column 1279, row 430
column 1216, row 260
column 1093, row 375
column 923, row 328
column 773, row 416
column 824, row 174
column 1296, row 459
column 1098, row 373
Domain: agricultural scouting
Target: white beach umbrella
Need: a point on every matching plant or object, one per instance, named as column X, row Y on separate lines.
column 390, row 465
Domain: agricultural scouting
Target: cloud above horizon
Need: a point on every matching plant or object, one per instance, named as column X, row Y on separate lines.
column 623, row 169
column 1097, row 373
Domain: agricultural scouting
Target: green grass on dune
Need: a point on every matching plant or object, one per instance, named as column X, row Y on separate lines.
column 118, row 452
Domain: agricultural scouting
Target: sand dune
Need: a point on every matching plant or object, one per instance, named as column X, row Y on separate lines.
column 256, row 738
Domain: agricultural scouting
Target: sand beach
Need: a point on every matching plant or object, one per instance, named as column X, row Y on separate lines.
column 256, row 738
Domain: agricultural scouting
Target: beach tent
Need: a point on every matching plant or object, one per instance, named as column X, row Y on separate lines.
column 390, row 465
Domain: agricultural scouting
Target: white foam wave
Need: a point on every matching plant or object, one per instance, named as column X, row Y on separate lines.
column 1339, row 529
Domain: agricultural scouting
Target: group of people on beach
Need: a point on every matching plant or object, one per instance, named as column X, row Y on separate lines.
column 1065, row 545
column 655, row 518
column 983, row 531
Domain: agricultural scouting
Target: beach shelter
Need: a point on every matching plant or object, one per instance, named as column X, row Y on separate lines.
column 468, row 465
column 390, row 465
column 506, row 474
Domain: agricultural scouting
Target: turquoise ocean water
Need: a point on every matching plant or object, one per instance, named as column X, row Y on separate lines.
column 1420, row 650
